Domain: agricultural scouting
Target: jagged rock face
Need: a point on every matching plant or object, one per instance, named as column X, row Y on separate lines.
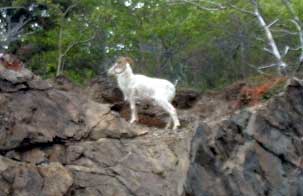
column 33, row 116
column 150, row 165
column 58, row 143
column 254, row 152
column 105, row 90
column 29, row 180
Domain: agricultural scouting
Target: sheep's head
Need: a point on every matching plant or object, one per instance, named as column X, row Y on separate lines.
column 120, row 66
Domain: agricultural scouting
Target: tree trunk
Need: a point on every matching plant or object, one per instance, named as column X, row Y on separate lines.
column 298, row 25
column 60, row 56
column 274, row 49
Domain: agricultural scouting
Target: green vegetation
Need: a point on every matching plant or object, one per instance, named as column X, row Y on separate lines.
column 206, row 46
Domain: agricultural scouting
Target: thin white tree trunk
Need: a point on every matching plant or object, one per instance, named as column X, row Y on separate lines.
column 274, row 49
column 60, row 55
column 300, row 32
column 296, row 20
column 60, row 44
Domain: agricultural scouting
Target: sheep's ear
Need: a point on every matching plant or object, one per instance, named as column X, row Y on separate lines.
column 129, row 60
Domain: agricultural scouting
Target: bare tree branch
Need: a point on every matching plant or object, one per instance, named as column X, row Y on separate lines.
column 60, row 49
column 275, row 51
column 300, row 33
column 63, row 52
column 12, row 7
column 208, row 4
column 245, row 11
column 12, row 31
column 272, row 23
column 260, row 39
column 267, row 66
column 281, row 65
column 286, row 51
column 268, row 50
column 68, row 9
column 78, row 43
column 298, row 48
column 284, row 31
column 254, row 67
column 298, row 24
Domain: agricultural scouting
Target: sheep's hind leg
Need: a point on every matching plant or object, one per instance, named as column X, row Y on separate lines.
column 171, row 111
column 168, row 123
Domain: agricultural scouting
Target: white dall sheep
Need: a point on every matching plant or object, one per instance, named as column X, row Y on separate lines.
column 139, row 87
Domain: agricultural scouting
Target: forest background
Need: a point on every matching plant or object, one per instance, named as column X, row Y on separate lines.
column 205, row 44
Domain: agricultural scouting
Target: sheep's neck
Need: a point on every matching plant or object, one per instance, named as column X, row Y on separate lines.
column 124, row 80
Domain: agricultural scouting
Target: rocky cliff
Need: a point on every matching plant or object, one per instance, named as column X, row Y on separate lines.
column 55, row 141
column 256, row 151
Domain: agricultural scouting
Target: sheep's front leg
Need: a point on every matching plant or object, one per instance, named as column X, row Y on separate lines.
column 134, row 116
column 125, row 96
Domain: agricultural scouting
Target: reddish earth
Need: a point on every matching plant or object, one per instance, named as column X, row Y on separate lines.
column 252, row 95
column 10, row 61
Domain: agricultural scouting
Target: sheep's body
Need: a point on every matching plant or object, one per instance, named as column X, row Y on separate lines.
column 139, row 87
column 147, row 88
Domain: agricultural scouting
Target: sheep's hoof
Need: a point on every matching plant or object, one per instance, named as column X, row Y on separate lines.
column 132, row 121
column 176, row 126
column 168, row 125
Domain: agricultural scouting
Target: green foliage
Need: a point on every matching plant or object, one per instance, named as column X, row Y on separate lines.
column 204, row 49
column 75, row 26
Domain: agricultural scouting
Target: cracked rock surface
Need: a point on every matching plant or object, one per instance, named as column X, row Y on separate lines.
column 59, row 142
column 258, row 151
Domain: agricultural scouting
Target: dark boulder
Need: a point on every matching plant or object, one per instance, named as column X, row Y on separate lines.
column 255, row 152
